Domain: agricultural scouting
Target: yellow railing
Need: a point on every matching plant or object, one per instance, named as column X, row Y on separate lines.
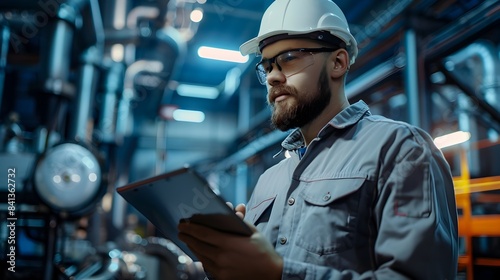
column 469, row 225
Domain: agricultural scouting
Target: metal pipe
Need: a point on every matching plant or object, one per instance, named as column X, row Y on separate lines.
column 251, row 149
column 244, row 105
column 60, row 50
column 142, row 11
column 242, row 175
column 4, row 48
column 486, row 52
column 83, row 103
column 50, row 247
column 411, row 77
column 161, row 145
column 88, row 80
column 113, row 84
column 371, row 77
column 124, row 120
column 462, row 29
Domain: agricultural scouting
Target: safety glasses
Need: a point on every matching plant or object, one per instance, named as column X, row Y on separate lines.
column 289, row 62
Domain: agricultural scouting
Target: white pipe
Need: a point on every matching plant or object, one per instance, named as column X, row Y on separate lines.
column 485, row 51
column 124, row 120
column 141, row 11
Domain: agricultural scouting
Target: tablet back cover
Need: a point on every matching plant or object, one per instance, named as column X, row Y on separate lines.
column 167, row 199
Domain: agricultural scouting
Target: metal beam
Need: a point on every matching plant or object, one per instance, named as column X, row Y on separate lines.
column 462, row 30
column 251, row 149
column 371, row 78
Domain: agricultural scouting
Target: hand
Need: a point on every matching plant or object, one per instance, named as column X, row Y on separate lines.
column 240, row 209
column 228, row 256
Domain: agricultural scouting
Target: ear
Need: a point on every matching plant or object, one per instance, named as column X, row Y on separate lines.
column 339, row 63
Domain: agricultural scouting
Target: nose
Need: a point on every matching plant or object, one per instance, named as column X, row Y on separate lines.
column 275, row 77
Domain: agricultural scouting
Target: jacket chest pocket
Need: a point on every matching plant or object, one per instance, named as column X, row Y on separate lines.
column 261, row 212
column 329, row 220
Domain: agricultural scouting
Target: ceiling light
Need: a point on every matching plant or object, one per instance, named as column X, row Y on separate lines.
column 451, row 139
column 188, row 116
column 196, row 15
column 197, row 91
column 117, row 52
column 222, row 54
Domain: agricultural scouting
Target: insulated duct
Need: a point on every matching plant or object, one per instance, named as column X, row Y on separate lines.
column 485, row 52
column 485, row 96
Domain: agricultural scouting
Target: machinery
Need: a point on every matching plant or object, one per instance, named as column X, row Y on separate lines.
column 87, row 90
column 59, row 167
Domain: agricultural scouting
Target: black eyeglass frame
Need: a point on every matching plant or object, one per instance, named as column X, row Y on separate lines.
column 273, row 59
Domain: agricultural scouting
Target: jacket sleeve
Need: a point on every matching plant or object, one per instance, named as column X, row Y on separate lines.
column 415, row 215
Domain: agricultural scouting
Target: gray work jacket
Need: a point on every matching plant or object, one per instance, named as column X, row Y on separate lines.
column 371, row 198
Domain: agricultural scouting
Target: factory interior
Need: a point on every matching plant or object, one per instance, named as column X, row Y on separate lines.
column 95, row 94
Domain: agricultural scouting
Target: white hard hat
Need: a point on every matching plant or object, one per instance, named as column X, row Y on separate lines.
column 302, row 17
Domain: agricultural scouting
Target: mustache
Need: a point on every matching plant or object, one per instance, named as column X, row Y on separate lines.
column 276, row 91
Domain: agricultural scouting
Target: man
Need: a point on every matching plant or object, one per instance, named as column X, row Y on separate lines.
column 362, row 196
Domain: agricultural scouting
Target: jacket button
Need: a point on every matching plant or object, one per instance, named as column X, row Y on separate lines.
column 283, row 240
column 291, row 201
column 326, row 197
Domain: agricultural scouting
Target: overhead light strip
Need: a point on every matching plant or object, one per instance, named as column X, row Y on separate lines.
column 222, row 54
column 451, row 139
column 188, row 116
column 197, row 91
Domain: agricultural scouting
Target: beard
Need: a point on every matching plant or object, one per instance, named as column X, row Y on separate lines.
column 300, row 108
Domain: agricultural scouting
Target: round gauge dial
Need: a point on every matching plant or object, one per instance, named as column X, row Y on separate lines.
column 68, row 177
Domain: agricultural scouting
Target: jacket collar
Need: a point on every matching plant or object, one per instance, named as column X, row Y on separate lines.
column 347, row 117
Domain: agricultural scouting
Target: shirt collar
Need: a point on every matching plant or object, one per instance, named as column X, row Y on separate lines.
column 347, row 117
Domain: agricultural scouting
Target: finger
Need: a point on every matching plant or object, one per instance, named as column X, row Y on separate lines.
column 241, row 215
column 205, row 234
column 241, row 208
column 229, row 204
column 201, row 249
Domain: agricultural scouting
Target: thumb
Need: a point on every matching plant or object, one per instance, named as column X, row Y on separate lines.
column 251, row 226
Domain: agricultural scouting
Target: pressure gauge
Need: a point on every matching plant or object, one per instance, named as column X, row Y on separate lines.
column 68, row 177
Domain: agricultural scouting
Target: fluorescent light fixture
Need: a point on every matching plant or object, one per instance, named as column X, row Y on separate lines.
column 197, row 91
column 188, row 116
column 451, row 139
column 222, row 54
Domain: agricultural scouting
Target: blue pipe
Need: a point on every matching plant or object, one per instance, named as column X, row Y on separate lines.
column 4, row 48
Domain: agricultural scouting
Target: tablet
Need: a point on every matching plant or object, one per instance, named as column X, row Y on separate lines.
column 182, row 195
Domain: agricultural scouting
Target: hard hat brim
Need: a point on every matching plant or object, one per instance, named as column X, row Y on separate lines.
column 252, row 46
